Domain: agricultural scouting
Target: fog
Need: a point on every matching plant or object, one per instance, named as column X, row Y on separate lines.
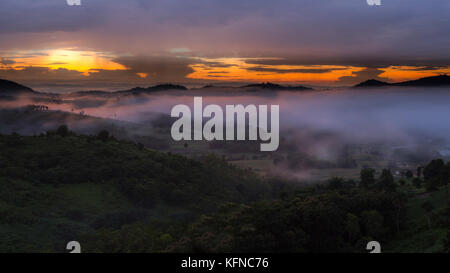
column 322, row 126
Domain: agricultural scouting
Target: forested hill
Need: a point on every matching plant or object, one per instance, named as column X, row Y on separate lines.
column 118, row 196
column 59, row 185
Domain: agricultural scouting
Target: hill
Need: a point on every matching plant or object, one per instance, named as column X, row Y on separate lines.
column 272, row 86
column 441, row 80
column 434, row 81
column 58, row 186
column 372, row 83
column 156, row 88
column 10, row 88
column 118, row 196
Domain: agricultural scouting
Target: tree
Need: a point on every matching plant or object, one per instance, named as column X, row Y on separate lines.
column 336, row 183
column 428, row 207
column 419, row 171
column 417, row 182
column 433, row 174
column 409, row 174
column 103, row 135
column 432, row 184
column 373, row 223
column 399, row 204
column 367, row 177
column 447, row 242
column 386, row 181
column 446, row 177
column 62, row 130
column 352, row 227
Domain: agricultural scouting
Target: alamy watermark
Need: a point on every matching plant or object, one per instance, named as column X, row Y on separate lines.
column 374, row 2
column 73, row 2
column 235, row 116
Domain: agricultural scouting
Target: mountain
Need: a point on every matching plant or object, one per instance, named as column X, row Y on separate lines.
column 10, row 87
column 441, row 80
column 272, row 86
column 372, row 83
column 61, row 185
column 433, row 81
column 156, row 88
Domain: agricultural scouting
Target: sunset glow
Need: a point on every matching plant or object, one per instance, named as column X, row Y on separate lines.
column 81, row 61
column 213, row 69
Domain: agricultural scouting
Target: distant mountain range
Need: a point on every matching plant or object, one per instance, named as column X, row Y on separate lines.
column 261, row 86
column 434, row 81
column 272, row 86
column 160, row 87
column 10, row 88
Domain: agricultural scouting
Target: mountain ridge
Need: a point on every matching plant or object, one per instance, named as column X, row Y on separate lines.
column 432, row 81
column 9, row 87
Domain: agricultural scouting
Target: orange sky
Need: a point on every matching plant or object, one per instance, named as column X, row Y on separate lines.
column 229, row 69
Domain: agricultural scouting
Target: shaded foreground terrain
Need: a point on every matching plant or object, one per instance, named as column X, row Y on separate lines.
column 118, row 196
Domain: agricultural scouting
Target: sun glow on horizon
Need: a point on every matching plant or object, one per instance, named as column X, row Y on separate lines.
column 231, row 69
column 237, row 69
column 81, row 61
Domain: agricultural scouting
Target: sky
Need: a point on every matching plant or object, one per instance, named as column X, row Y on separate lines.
column 122, row 43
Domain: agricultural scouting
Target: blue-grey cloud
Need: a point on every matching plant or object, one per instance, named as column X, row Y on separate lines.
column 351, row 32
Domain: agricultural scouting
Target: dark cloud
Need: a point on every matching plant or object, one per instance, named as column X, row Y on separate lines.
column 283, row 71
column 217, row 64
column 368, row 73
column 40, row 73
column 218, row 72
column 363, row 61
column 300, row 32
column 48, row 15
column 159, row 68
column 423, row 68
column 5, row 61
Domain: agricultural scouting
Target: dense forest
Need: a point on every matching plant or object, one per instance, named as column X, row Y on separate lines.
column 119, row 196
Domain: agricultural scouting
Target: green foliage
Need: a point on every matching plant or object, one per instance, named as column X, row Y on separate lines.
column 386, row 181
column 367, row 177
column 62, row 130
column 56, row 188
column 436, row 174
column 409, row 174
column 103, row 135
column 330, row 222
column 417, row 182
column 117, row 196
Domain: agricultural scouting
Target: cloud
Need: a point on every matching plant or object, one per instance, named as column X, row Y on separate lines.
column 46, row 15
column 41, row 73
column 363, row 75
column 179, row 50
column 365, row 60
column 301, row 33
column 158, row 68
column 5, row 61
column 210, row 64
column 295, row 70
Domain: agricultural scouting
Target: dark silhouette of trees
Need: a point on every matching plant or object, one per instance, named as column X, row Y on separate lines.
column 336, row 183
column 62, row 130
column 386, row 181
column 434, row 174
column 419, row 171
column 417, row 182
column 409, row 174
column 367, row 177
column 428, row 207
column 103, row 135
